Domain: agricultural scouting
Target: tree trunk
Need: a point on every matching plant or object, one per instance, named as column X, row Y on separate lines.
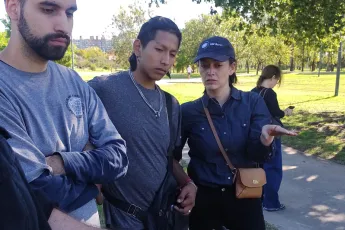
column 258, row 68
column 303, row 58
column 291, row 58
column 313, row 66
column 320, row 62
column 247, row 66
column 328, row 62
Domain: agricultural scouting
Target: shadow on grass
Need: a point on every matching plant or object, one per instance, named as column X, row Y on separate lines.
column 319, row 99
column 316, row 73
column 320, row 134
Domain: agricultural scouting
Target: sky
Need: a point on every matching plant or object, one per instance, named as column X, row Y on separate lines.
column 93, row 18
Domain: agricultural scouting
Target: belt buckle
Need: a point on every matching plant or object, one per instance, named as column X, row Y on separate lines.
column 133, row 209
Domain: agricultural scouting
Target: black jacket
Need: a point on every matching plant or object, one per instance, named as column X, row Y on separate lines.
column 20, row 207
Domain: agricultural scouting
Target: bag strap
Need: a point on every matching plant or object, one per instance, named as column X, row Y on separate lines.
column 168, row 101
column 263, row 90
column 231, row 166
column 130, row 209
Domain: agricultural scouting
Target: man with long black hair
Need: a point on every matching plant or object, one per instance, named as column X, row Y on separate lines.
column 140, row 111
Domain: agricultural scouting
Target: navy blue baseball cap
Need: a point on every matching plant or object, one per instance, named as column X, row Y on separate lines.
column 217, row 48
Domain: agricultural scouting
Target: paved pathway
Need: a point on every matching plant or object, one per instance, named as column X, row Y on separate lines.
column 313, row 191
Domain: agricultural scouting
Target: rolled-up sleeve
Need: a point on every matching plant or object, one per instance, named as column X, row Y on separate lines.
column 260, row 117
column 68, row 195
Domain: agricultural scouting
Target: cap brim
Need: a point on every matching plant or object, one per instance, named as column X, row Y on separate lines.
column 217, row 57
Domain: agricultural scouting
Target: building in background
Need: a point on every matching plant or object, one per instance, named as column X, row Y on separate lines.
column 104, row 44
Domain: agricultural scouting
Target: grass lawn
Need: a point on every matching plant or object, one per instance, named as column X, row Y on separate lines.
column 101, row 215
column 318, row 116
column 88, row 75
column 270, row 226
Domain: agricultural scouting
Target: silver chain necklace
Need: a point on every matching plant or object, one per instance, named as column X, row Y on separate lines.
column 157, row 113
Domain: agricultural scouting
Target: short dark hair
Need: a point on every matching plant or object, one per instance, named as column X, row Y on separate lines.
column 148, row 33
column 268, row 72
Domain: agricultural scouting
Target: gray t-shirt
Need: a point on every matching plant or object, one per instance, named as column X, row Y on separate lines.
column 147, row 139
column 54, row 111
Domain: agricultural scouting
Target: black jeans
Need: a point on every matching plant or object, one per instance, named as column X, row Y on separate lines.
column 217, row 207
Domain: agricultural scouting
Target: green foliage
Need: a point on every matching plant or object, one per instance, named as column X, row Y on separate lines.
column 7, row 23
column 92, row 58
column 93, row 67
column 194, row 32
column 319, row 116
column 301, row 18
column 3, row 40
column 67, row 59
column 255, row 48
column 128, row 24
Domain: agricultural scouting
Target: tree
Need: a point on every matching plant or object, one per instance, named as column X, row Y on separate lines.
column 7, row 23
column 67, row 59
column 195, row 31
column 128, row 24
column 254, row 48
column 92, row 58
column 3, row 40
column 316, row 18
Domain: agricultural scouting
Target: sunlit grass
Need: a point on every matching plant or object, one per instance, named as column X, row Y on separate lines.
column 318, row 116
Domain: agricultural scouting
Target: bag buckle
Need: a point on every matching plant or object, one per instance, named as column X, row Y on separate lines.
column 234, row 171
column 133, row 209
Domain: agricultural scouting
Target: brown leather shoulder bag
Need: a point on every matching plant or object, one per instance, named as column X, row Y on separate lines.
column 248, row 181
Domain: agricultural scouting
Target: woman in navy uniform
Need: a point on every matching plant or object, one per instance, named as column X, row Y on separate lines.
column 242, row 122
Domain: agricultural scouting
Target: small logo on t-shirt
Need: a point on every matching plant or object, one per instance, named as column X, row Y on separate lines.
column 75, row 105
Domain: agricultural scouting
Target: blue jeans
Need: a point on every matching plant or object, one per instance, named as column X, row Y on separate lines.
column 274, row 176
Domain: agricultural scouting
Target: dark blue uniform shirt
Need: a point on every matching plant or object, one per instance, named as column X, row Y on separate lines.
column 238, row 124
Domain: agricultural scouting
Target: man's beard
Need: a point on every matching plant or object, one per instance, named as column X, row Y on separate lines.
column 41, row 45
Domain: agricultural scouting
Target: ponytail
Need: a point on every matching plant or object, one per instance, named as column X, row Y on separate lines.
column 232, row 80
column 133, row 62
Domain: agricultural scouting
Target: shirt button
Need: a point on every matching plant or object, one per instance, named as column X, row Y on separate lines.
column 223, row 189
column 202, row 129
column 226, row 150
column 224, row 133
column 223, row 116
column 229, row 178
column 244, row 125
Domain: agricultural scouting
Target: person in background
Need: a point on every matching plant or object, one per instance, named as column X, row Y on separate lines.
column 270, row 77
column 189, row 71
